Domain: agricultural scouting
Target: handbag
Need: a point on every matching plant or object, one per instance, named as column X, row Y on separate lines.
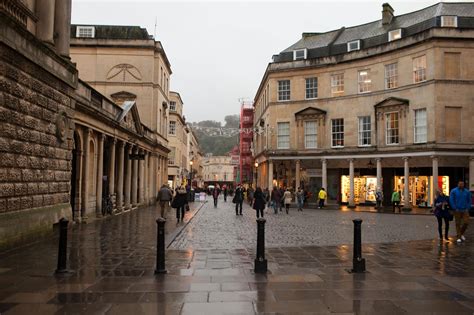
column 174, row 203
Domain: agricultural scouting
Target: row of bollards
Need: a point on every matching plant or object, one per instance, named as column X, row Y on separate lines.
column 261, row 265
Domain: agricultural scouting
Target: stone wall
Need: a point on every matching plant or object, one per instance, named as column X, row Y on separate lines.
column 36, row 111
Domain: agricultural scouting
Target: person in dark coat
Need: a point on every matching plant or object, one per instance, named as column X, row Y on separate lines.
column 259, row 202
column 441, row 212
column 275, row 197
column 215, row 194
column 238, row 199
column 179, row 202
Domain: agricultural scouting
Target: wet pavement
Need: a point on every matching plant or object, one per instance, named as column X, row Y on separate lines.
column 114, row 259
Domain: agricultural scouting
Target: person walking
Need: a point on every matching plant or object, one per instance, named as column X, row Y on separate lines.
column 441, row 212
column 275, row 197
column 460, row 202
column 379, row 198
column 266, row 196
column 300, row 198
column 259, row 202
column 215, row 195
column 396, row 201
column 164, row 197
column 179, row 202
column 238, row 199
column 250, row 193
column 322, row 197
column 282, row 192
column 224, row 189
column 287, row 200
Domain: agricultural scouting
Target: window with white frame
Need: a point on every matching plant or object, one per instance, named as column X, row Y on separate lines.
column 420, row 126
column 299, row 54
column 172, row 106
column 364, row 81
column 337, row 132
column 171, row 156
column 449, row 21
column 354, row 45
column 283, row 135
column 337, row 84
column 419, row 69
column 172, row 128
column 311, row 88
column 365, row 131
column 310, row 135
column 284, row 90
column 85, row 31
column 392, row 128
column 391, row 75
column 394, row 35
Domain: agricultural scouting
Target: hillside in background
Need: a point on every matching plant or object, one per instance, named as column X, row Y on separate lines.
column 215, row 138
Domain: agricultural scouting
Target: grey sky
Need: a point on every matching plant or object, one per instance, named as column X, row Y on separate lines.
column 219, row 50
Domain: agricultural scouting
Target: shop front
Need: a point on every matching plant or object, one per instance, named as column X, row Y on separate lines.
column 364, row 189
column 421, row 189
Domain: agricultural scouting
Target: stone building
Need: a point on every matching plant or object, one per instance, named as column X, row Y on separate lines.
column 178, row 132
column 218, row 169
column 37, row 103
column 385, row 105
column 195, row 159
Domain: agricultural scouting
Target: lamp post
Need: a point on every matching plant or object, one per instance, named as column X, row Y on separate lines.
column 191, row 173
column 256, row 175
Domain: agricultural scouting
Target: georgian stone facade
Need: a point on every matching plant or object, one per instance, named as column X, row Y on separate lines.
column 385, row 113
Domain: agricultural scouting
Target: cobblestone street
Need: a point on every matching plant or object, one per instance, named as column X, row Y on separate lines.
column 220, row 228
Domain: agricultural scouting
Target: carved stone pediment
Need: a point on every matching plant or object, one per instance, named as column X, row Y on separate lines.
column 130, row 117
column 120, row 97
column 310, row 113
column 391, row 104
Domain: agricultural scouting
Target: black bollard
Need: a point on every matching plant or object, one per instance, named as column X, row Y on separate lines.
column 358, row 263
column 260, row 261
column 62, row 250
column 160, row 247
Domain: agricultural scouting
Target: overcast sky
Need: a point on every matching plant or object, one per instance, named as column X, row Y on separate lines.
column 220, row 50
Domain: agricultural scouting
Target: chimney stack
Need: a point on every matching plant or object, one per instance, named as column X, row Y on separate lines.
column 387, row 13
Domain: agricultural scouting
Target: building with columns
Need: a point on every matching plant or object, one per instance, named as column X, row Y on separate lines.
column 385, row 106
column 178, row 133
column 218, row 170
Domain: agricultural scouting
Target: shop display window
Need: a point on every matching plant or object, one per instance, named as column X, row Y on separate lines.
column 421, row 189
column 364, row 189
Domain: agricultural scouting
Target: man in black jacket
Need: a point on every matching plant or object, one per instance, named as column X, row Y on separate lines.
column 238, row 199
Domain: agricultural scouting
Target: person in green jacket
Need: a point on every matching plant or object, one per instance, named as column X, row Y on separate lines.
column 396, row 201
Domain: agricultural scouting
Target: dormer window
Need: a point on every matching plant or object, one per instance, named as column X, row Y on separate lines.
column 449, row 21
column 354, row 45
column 299, row 54
column 394, row 35
column 85, row 31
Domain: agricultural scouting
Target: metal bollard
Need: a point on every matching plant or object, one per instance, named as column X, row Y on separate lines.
column 260, row 261
column 358, row 263
column 62, row 250
column 160, row 247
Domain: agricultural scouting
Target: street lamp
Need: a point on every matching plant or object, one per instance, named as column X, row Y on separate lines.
column 256, row 175
column 191, row 173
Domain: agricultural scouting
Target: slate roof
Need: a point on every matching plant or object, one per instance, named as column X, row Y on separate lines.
column 115, row 31
column 412, row 22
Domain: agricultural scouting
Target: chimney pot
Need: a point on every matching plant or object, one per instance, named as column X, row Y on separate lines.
column 387, row 13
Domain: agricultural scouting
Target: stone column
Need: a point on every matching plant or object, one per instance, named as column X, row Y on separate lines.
column 270, row 175
column 141, row 180
column 351, row 184
column 128, row 178
column 120, row 173
column 45, row 24
column 134, row 179
column 112, row 167
column 434, row 160
column 297, row 174
column 100, row 173
column 324, row 173
column 378, row 162
column 471, row 173
column 406, row 190
column 62, row 26
column 85, row 172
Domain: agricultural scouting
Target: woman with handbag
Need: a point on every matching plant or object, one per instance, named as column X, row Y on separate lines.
column 259, row 202
column 180, row 202
column 287, row 197
column 440, row 210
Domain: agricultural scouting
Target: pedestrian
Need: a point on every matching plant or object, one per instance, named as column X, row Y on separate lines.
column 215, row 195
column 282, row 192
column 275, row 197
column 300, row 198
column 259, row 202
column 440, row 210
column 460, row 202
column 322, row 195
column 379, row 198
column 250, row 193
column 266, row 196
column 238, row 199
column 287, row 200
column 396, row 201
column 225, row 192
column 179, row 203
column 164, row 197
